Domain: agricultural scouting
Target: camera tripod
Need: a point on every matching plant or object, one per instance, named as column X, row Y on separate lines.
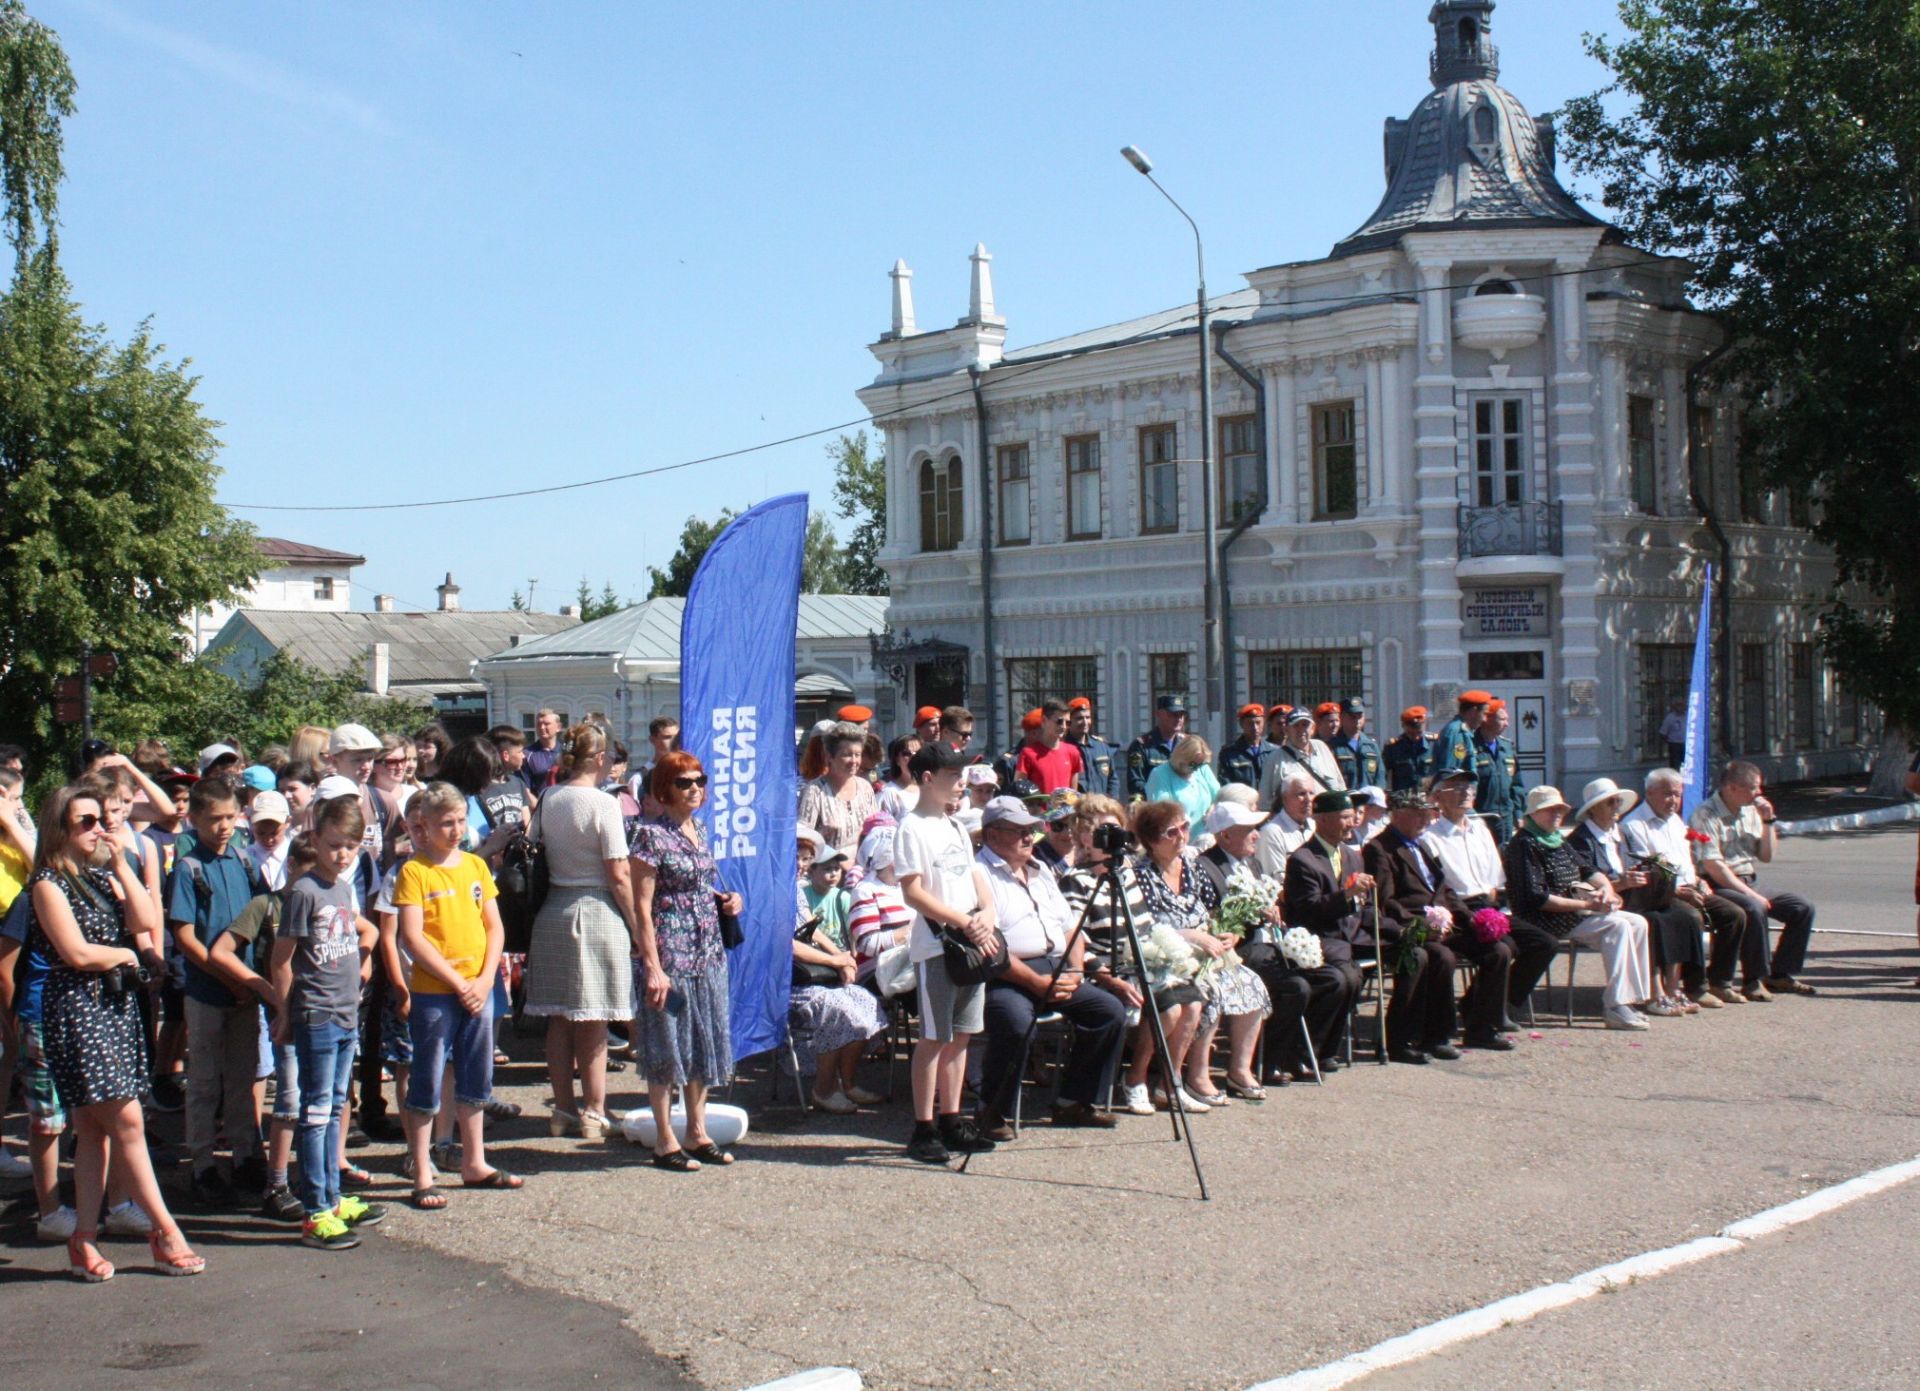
column 1119, row 912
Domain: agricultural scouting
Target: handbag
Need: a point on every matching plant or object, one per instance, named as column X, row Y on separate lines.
column 968, row 964
column 524, row 880
column 894, row 971
column 812, row 972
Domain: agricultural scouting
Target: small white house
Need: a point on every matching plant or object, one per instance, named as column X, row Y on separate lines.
column 626, row 667
column 294, row 578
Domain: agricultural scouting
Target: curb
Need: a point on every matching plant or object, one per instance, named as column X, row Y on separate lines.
column 1852, row 821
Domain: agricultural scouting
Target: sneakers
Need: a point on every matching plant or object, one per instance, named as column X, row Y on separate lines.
column 58, row 1225
column 1138, row 1103
column 356, row 1211
column 926, row 1146
column 325, row 1231
column 1625, row 1017
column 14, row 1169
column 960, row 1135
column 210, row 1190
column 839, row 1104
column 168, row 1097
column 860, row 1096
column 281, row 1206
column 128, row 1219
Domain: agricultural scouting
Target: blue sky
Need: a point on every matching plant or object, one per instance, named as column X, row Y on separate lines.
column 425, row 250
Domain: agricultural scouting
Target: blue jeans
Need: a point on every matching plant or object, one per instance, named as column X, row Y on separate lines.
column 444, row 1033
column 324, row 1053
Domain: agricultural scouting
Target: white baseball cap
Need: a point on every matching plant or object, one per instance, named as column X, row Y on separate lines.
column 1008, row 811
column 335, row 786
column 213, row 753
column 980, row 775
column 269, row 806
column 353, row 738
column 1225, row 816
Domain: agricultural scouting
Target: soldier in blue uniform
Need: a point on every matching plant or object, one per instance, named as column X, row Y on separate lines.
column 1497, row 791
column 1409, row 759
column 1356, row 751
column 1155, row 747
column 1245, row 759
column 1106, row 771
column 1456, row 748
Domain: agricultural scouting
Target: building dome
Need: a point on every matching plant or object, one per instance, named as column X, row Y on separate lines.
column 1470, row 155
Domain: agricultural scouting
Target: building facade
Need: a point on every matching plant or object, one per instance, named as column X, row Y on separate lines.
column 294, row 578
column 1463, row 449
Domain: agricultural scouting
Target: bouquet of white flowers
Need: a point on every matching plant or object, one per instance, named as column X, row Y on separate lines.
column 1302, row 949
column 1250, row 896
column 1167, row 957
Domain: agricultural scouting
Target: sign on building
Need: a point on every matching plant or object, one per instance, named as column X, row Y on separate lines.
column 1519, row 612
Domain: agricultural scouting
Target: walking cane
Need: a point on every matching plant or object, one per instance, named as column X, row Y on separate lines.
column 1380, row 971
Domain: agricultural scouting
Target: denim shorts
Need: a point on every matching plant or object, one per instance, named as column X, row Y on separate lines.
column 396, row 1041
column 445, row 1034
column 286, row 1083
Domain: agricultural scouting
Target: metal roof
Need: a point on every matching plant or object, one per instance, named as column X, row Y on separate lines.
column 298, row 552
column 650, row 632
column 1167, row 323
column 431, row 648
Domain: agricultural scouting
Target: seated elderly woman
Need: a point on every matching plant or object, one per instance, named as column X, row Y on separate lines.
column 1187, row 777
column 1673, row 929
column 1548, row 887
column 1183, row 901
column 831, row 1016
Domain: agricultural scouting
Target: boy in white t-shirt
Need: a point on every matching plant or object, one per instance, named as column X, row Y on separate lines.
column 948, row 892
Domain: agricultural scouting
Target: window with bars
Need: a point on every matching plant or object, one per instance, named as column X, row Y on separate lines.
column 1499, row 450
column 1031, row 681
column 1753, row 697
column 940, row 504
column 1083, row 487
column 1015, row 471
column 1803, row 693
column 1305, row 677
column 1159, row 479
column 1167, row 674
column 1666, row 676
column 1643, row 477
column 1336, row 467
column 1239, row 468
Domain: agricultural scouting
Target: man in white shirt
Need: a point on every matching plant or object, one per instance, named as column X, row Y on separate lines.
column 1288, row 828
column 1673, row 729
column 1656, row 828
column 1300, row 752
column 1035, row 920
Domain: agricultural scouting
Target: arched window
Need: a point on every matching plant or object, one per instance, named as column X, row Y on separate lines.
column 940, row 504
column 1486, row 125
column 1469, row 35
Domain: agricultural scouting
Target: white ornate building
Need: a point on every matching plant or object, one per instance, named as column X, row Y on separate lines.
column 1464, row 448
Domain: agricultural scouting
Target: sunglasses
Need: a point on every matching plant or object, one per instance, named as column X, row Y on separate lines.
column 1172, row 832
column 395, row 762
column 86, row 821
column 697, row 780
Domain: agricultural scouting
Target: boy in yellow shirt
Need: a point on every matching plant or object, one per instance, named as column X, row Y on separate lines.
column 450, row 927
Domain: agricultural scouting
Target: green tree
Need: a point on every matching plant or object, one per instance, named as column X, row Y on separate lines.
column 860, row 492
column 593, row 606
column 821, row 566
column 1776, row 143
column 109, row 531
column 822, row 562
column 518, row 603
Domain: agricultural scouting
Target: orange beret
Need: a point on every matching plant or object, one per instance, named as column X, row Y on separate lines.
column 853, row 714
column 1079, row 703
column 1496, row 704
column 1414, row 712
column 1326, row 707
column 925, row 713
column 1475, row 697
column 1032, row 720
column 1281, row 709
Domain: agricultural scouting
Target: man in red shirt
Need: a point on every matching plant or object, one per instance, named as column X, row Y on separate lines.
column 1046, row 760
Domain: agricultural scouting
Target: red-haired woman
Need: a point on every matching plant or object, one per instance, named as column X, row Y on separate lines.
column 680, row 1024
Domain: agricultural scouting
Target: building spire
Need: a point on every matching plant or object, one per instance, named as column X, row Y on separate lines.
column 980, row 297
column 1463, row 48
column 903, row 324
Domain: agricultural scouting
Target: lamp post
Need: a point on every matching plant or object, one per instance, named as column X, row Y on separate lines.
column 1211, row 697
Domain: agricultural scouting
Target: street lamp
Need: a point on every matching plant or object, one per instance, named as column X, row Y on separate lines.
column 1211, row 697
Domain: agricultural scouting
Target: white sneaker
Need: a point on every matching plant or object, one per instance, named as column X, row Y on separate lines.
column 128, row 1219
column 1625, row 1017
column 840, row 1104
column 1138, row 1103
column 58, row 1225
column 14, row 1169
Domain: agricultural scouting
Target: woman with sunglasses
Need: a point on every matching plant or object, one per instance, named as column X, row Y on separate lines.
column 680, row 1024
column 389, row 783
column 88, row 910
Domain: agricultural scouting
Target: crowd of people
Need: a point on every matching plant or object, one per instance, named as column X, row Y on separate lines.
column 352, row 911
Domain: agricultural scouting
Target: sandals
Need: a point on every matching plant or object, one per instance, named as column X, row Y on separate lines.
column 1255, row 1094
column 181, row 1262
column 427, row 1199
column 499, row 1178
column 355, row 1177
column 87, row 1263
column 710, row 1153
column 676, row 1161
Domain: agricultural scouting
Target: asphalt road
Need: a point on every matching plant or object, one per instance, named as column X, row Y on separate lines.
column 1341, row 1216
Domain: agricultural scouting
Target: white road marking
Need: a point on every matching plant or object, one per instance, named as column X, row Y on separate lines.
column 1490, row 1318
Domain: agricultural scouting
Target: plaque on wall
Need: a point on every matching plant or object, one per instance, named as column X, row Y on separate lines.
column 1519, row 611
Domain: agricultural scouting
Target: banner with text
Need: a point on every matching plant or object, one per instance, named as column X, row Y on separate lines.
column 736, row 717
column 1693, row 769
